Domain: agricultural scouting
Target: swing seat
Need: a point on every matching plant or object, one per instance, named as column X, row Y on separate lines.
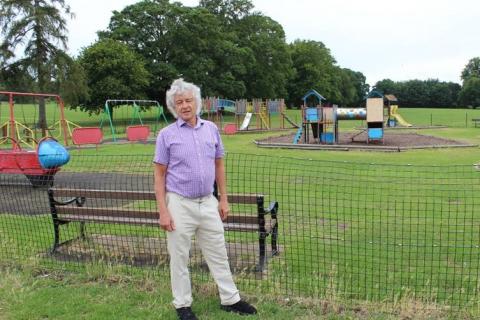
column 138, row 133
column 230, row 128
column 87, row 135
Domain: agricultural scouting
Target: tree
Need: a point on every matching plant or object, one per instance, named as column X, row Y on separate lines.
column 70, row 80
column 271, row 67
column 386, row 86
column 181, row 41
column 16, row 77
column 230, row 11
column 314, row 69
column 430, row 93
column 207, row 55
column 146, row 28
column 113, row 71
column 472, row 69
column 353, row 87
column 40, row 26
column 470, row 93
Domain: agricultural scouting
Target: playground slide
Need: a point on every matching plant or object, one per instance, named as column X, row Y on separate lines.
column 400, row 120
column 246, row 121
column 290, row 120
column 298, row 135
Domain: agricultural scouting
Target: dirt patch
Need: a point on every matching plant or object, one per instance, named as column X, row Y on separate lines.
column 142, row 251
column 356, row 140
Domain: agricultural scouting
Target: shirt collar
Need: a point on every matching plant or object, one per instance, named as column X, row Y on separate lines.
column 181, row 122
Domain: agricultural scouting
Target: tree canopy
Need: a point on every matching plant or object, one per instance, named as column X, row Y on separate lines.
column 39, row 27
column 113, row 71
column 470, row 93
column 224, row 46
column 422, row 93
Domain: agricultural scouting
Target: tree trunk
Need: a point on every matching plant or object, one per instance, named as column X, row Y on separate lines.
column 42, row 72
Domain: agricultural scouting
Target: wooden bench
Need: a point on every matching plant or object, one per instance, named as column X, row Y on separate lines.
column 81, row 205
column 476, row 122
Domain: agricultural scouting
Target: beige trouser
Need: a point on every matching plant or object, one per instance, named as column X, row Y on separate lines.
column 198, row 217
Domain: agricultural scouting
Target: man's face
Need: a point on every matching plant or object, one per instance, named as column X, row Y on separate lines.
column 186, row 107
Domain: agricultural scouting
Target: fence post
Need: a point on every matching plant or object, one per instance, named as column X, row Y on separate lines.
column 431, row 119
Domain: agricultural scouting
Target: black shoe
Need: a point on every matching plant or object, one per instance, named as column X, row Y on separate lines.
column 186, row 313
column 241, row 307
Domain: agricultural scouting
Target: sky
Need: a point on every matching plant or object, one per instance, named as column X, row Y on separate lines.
column 383, row 39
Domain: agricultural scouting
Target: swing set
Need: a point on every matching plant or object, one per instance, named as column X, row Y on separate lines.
column 136, row 127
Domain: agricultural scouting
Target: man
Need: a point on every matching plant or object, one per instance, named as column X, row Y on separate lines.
column 188, row 160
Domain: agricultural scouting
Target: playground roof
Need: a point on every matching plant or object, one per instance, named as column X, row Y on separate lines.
column 375, row 94
column 391, row 98
column 312, row 92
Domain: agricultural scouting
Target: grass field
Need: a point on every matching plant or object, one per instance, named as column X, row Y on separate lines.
column 402, row 234
column 35, row 293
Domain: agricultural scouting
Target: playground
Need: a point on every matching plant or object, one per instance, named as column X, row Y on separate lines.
column 382, row 128
column 347, row 227
column 393, row 141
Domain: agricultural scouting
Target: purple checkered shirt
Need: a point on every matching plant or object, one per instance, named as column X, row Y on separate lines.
column 189, row 153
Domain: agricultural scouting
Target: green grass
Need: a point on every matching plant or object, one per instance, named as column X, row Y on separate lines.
column 32, row 292
column 364, row 260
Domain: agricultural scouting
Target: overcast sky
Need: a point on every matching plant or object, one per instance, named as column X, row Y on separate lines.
column 398, row 40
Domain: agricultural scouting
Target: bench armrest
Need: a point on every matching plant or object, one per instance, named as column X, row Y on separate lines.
column 79, row 201
column 273, row 209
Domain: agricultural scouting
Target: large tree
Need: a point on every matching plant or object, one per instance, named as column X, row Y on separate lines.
column 271, row 67
column 353, row 87
column 314, row 69
column 470, row 93
column 69, row 80
column 146, row 27
column 229, row 11
column 472, row 69
column 180, row 41
column 39, row 26
column 114, row 71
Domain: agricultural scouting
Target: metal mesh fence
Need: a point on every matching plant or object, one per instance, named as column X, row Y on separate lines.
column 353, row 230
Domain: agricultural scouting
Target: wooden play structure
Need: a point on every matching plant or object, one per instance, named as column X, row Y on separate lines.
column 254, row 115
column 257, row 114
column 214, row 107
column 321, row 119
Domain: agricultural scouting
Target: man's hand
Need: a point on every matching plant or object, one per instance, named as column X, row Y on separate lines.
column 223, row 209
column 166, row 221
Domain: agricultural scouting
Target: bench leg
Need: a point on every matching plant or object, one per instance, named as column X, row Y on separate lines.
column 274, row 240
column 263, row 259
column 82, row 230
column 56, row 235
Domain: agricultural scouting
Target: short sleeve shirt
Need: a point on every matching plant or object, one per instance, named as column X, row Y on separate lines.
column 189, row 154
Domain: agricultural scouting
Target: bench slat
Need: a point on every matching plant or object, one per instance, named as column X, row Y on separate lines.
column 131, row 213
column 107, row 212
column 243, row 198
column 137, row 195
column 107, row 194
column 240, row 227
column 107, row 219
column 237, row 222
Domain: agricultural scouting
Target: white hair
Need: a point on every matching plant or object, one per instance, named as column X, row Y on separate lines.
column 179, row 86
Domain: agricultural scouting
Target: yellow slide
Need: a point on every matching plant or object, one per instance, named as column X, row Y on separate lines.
column 394, row 113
